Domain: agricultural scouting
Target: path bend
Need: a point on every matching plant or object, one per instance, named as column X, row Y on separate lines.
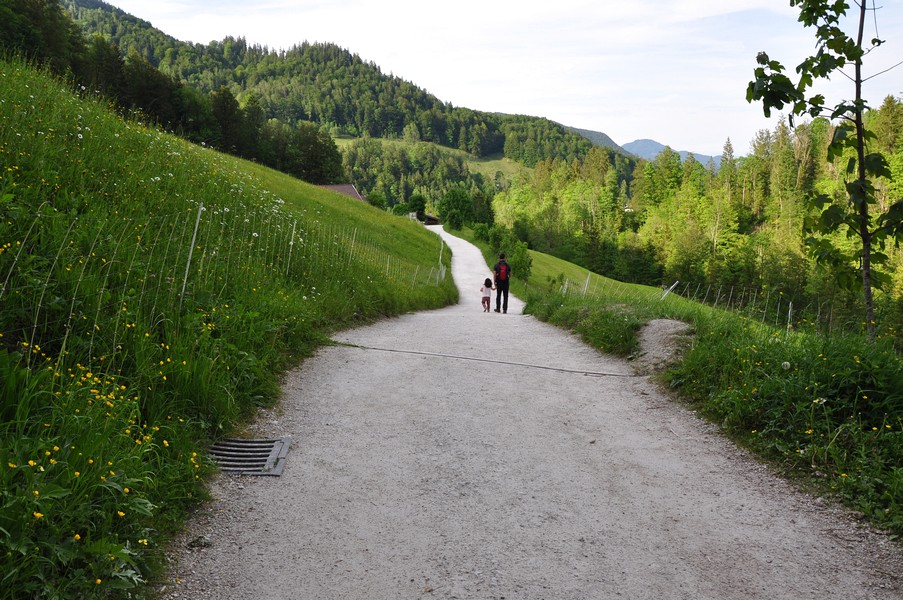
column 461, row 454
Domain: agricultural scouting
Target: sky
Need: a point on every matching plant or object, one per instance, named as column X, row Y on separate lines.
column 674, row 71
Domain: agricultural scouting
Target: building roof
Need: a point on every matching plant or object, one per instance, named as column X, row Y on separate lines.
column 347, row 189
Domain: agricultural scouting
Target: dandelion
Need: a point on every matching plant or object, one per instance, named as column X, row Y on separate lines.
column 78, row 474
column 843, row 475
column 38, row 515
column 819, row 401
column 785, row 365
column 125, row 490
column 12, row 465
column 76, row 537
column 120, row 513
column 98, row 581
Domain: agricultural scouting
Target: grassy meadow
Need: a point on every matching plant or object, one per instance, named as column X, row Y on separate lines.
column 825, row 410
column 487, row 166
column 153, row 292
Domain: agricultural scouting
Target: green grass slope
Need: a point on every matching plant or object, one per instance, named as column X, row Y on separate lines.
column 152, row 294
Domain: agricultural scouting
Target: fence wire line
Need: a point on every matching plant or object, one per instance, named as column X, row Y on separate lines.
column 769, row 307
column 487, row 360
column 144, row 267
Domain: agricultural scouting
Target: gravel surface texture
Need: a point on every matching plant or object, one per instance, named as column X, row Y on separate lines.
column 462, row 454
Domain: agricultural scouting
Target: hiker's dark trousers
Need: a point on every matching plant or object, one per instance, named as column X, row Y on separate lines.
column 501, row 293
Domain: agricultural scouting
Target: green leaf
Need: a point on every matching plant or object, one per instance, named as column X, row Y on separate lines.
column 820, row 201
column 142, row 506
column 843, row 109
column 881, row 280
column 53, row 491
column 861, row 193
column 832, row 218
column 892, row 220
column 851, row 166
column 876, row 164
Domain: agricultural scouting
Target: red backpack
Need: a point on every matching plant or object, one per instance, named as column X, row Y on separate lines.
column 503, row 271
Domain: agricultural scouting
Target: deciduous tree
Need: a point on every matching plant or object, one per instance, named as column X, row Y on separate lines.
column 836, row 50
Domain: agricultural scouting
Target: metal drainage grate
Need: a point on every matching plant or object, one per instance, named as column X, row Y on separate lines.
column 251, row 457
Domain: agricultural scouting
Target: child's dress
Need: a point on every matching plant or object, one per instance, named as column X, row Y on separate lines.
column 487, row 296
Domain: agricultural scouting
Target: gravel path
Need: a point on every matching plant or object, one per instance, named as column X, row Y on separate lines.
column 462, row 454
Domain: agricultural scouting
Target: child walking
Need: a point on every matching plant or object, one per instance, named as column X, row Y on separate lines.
column 487, row 293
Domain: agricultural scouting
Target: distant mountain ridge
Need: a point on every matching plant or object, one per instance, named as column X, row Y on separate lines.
column 650, row 149
column 645, row 149
column 600, row 139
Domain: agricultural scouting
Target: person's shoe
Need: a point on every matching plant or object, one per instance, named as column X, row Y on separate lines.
column 497, row 310
column 505, row 311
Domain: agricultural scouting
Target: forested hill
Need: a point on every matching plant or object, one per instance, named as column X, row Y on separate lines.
column 330, row 86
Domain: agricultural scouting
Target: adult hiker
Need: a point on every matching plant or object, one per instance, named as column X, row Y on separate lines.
column 502, row 276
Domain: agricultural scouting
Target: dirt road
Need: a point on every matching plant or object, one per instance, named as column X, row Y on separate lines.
column 462, row 454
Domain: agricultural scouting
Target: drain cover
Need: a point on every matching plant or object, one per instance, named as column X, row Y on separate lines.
column 251, row 457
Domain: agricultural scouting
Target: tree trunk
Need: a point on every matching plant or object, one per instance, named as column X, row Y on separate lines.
column 864, row 219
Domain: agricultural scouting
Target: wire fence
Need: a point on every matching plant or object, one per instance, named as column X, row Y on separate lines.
column 773, row 308
column 65, row 276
